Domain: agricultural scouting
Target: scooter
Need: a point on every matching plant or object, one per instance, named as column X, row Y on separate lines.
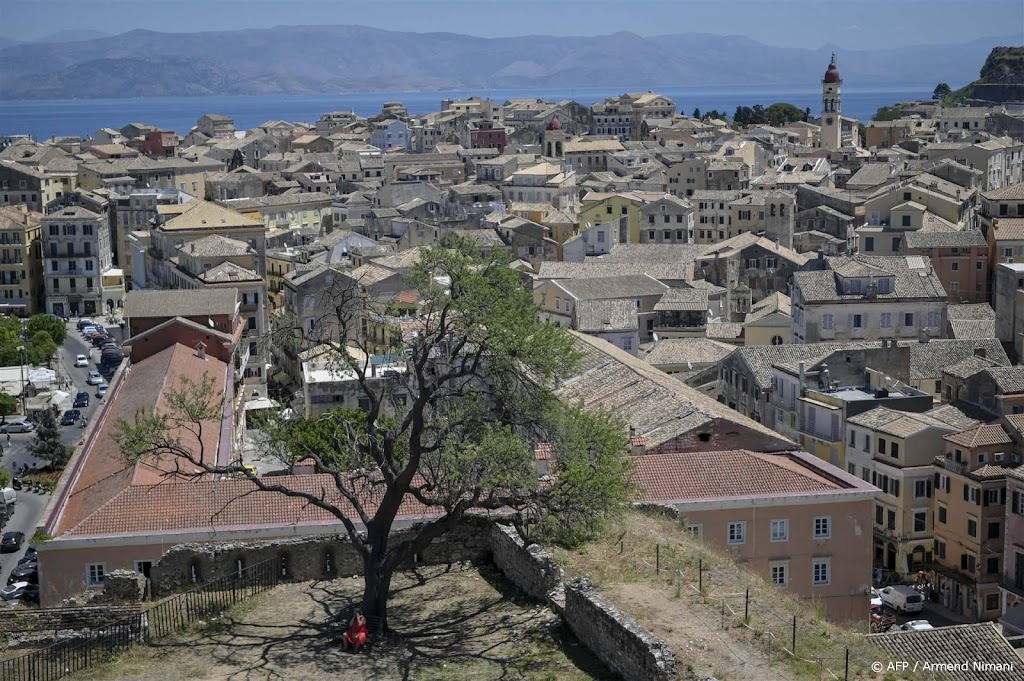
column 16, row 483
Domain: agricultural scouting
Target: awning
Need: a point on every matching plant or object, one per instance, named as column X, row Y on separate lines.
column 59, row 396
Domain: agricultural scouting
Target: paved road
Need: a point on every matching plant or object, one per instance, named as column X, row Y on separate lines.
column 30, row 506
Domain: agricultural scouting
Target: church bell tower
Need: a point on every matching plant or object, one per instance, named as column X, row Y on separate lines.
column 831, row 107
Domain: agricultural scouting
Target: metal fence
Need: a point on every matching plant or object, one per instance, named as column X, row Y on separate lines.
column 101, row 644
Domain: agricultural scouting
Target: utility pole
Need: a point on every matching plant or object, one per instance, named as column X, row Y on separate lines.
column 21, row 349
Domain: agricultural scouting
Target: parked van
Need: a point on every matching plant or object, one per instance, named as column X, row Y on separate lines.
column 902, row 598
column 8, row 495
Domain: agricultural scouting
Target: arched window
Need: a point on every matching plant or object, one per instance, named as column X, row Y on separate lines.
column 777, row 340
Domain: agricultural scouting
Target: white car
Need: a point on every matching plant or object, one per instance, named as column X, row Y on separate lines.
column 9, row 591
column 94, row 378
column 81, row 361
column 101, row 390
column 917, row 625
column 876, row 599
column 902, row 598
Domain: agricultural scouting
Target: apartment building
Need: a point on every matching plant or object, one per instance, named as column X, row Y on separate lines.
column 798, row 521
column 21, row 273
column 970, row 516
column 869, row 298
column 895, row 451
column 79, row 276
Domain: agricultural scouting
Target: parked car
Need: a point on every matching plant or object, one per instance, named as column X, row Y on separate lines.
column 25, row 573
column 82, row 323
column 19, row 426
column 90, row 331
column 70, row 417
column 99, row 340
column 16, row 483
column 30, row 554
column 94, row 378
column 81, row 400
column 917, row 625
column 11, row 541
column 902, row 598
column 13, row 591
column 101, row 390
column 81, row 361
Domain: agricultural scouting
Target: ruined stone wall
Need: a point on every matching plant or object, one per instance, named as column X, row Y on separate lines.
column 307, row 558
column 531, row 568
column 618, row 641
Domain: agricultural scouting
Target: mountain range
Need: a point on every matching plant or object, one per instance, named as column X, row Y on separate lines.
column 337, row 59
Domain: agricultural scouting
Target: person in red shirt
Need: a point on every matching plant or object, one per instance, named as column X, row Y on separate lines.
column 356, row 634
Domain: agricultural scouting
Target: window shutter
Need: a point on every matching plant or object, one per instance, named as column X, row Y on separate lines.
column 1002, row 497
column 967, row 493
column 849, row 322
column 896, row 488
column 928, row 488
column 963, row 561
column 936, row 481
column 1016, row 502
column 984, row 497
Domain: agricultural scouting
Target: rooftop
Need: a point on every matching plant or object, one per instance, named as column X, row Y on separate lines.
column 956, row 645
column 739, row 475
column 147, row 304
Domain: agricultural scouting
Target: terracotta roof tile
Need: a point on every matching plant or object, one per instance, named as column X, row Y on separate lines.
column 736, row 473
column 955, row 645
column 980, row 436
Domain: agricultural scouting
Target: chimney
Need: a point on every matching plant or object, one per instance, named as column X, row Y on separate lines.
column 923, row 335
column 803, row 376
column 824, row 377
column 201, row 350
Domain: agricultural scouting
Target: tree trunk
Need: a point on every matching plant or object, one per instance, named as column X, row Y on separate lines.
column 377, row 573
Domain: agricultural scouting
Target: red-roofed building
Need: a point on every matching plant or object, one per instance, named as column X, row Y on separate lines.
column 109, row 514
column 800, row 522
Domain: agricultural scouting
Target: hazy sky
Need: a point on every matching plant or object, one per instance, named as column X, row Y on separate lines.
column 799, row 23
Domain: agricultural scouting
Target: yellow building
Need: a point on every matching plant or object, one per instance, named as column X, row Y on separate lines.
column 21, row 277
column 600, row 208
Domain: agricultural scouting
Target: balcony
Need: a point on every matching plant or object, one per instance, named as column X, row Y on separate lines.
column 958, row 467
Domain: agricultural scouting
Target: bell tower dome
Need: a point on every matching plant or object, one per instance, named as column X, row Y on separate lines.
column 831, row 107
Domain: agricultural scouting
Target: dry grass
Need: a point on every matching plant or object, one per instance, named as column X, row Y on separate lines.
column 458, row 622
column 622, row 563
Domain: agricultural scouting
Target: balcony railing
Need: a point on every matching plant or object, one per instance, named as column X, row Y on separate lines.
column 958, row 467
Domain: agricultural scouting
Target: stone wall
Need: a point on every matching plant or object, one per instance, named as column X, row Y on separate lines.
column 531, row 568
column 308, row 558
column 614, row 637
column 618, row 641
column 123, row 586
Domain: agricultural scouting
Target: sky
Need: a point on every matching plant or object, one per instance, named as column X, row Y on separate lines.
column 864, row 24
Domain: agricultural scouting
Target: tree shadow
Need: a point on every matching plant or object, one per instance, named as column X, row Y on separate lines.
column 444, row 617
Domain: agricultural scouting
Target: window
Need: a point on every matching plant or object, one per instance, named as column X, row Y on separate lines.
column 827, row 321
column 993, row 530
column 627, row 344
column 820, row 571
column 822, row 527
column 779, row 573
column 881, row 445
column 968, row 562
column 922, row 489
column 940, row 549
column 933, row 320
column 879, row 515
column 896, row 243
column 972, row 527
column 991, row 600
column 94, row 573
column 942, row 514
column 737, row 532
column 869, row 244
column 695, row 530
column 894, row 450
column 886, row 322
column 920, row 521
column 954, row 266
column 857, row 321
column 780, row 530
column 906, row 223
column 908, row 319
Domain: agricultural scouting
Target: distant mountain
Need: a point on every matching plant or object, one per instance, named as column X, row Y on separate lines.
column 335, row 59
column 71, row 36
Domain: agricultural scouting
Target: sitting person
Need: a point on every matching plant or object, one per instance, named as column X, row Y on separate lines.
column 356, row 634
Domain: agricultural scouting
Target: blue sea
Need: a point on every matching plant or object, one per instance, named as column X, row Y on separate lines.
column 45, row 118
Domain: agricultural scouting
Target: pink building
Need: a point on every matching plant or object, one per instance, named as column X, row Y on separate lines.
column 802, row 523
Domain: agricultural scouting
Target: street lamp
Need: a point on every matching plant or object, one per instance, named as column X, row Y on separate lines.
column 21, row 349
